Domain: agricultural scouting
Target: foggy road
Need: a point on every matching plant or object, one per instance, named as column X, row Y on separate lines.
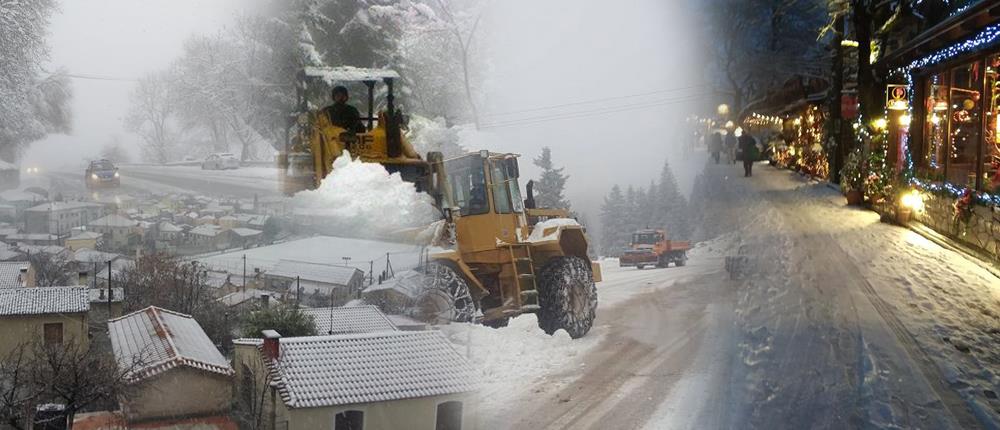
column 138, row 179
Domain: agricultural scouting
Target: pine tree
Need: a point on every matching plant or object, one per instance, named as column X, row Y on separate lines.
column 648, row 205
column 671, row 212
column 612, row 225
column 551, row 184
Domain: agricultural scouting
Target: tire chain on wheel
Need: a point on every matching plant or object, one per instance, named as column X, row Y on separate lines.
column 558, row 276
column 442, row 284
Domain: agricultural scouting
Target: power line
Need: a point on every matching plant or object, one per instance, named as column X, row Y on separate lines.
column 583, row 102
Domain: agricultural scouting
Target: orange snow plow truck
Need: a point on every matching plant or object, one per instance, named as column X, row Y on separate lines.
column 652, row 248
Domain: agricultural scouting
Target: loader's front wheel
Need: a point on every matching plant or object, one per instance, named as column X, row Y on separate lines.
column 444, row 296
column 567, row 296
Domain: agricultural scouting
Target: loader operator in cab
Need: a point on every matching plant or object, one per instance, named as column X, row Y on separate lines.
column 342, row 114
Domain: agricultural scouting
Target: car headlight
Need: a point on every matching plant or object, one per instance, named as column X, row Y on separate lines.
column 93, row 176
column 116, row 174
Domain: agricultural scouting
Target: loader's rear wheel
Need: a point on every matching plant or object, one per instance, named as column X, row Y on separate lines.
column 444, row 296
column 567, row 296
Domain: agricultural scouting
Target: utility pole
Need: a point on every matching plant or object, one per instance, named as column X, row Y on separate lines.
column 244, row 273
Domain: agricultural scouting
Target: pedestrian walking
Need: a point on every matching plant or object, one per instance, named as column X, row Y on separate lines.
column 715, row 146
column 730, row 144
column 748, row 152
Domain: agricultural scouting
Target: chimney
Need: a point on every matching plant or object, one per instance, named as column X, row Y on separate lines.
column 271, row 344
column 265, row 300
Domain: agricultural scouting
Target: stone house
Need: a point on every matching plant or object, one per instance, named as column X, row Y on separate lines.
column 52, row 315
column 173, row 368
column 374, row 381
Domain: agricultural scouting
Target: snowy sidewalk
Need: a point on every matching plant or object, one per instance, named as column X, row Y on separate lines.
column 850, row 322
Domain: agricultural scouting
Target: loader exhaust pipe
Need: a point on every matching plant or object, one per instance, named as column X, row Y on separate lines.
column 394, row 145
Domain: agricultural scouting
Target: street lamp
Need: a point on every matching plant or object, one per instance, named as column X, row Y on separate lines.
column 730, row 125
column 723, row 109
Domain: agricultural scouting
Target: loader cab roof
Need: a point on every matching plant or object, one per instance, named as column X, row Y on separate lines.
column 348, row 74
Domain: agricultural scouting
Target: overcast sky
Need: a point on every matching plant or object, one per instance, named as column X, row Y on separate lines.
column 536, row 54
column 119, row 39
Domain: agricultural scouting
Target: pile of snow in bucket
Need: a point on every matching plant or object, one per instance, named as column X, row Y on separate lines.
column 363, row 199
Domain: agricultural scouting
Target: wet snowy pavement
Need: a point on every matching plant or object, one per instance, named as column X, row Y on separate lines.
column 838, row 321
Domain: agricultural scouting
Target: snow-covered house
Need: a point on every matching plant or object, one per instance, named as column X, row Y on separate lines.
column 53, row 315
column 208, row 236
column 249, row 298
column 173, row 368
column 381, row 380
column 60, row 218
column 340, row 282
column 83, row 240
column 119, row 231
column 21, row 200
column 244, row 237
column 169, row 232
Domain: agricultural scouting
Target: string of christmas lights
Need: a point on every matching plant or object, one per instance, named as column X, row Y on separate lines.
column 988, row 36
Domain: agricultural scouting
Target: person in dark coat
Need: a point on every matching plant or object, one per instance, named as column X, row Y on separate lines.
column 342, row 114
column 748, row 151
column 731, row 144
column 715, row 146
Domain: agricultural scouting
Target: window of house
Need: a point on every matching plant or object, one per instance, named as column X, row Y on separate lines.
column 349, row 420
column 53, row 333
column 933, row 153
column 449, row 416
column 966, row 124
column 991, row 136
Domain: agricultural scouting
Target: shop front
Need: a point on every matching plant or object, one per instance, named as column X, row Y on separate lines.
column 949, row 133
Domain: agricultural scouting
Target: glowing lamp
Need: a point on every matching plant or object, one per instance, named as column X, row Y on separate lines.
column 730, row 125
column 880, row 124
column 913, row 200
column 738, row 132
column 723, row 109
column 936, row 119
column 904, row 120
column 898, row 105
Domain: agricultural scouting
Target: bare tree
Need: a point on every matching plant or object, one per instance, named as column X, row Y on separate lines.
column 16, row 394
column 159, row 279
column 77, row 376
column 151, row 116
column 51, row 270
column 114, row 150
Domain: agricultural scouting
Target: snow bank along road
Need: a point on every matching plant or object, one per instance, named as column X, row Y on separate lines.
column 837, row 321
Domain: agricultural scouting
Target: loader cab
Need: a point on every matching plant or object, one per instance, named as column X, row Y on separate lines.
column 312, row 142
column 483, row 195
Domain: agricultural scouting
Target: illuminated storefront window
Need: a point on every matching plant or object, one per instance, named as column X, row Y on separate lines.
column 935, row 127
column 991, row 147
column 966, row 124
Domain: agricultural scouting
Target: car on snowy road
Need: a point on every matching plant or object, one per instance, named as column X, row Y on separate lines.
column 220, row 161
column 102, row 174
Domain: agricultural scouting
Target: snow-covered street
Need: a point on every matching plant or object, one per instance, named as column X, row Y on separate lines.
column 836, row 321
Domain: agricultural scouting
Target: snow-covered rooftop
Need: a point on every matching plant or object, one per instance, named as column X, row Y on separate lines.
column 114, row 220
column 347, row 73
column 245, row 232
column 62, row 206
column 87, row 255
column 86, row 235
column 318, row 371
column 238, row 297
column 209, row 230
column 43, row 300
column 10, row 274
column 325, row 273
column 161, row 340
column 166, row 227
column 349, row 319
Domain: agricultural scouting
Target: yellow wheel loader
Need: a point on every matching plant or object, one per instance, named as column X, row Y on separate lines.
column 496, row 257
column 313, row 141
